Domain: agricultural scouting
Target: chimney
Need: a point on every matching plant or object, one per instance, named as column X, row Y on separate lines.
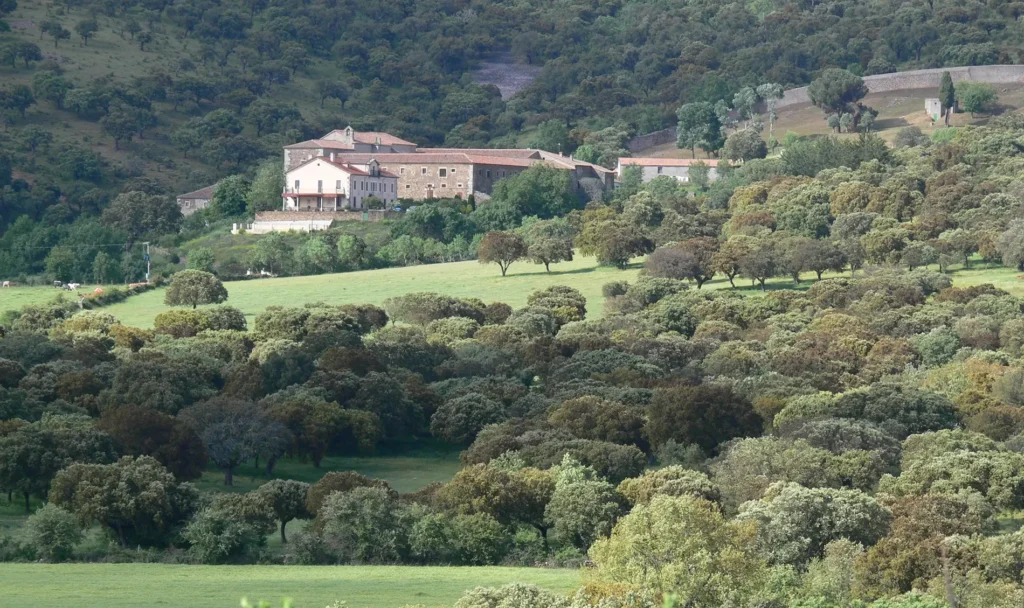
column 332, row 157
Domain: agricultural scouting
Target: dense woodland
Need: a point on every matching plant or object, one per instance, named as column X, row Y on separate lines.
column 830, row 446
column 857, row 440
column 219, row 87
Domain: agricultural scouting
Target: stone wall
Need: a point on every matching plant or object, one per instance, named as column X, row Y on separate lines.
column 922, row 79
column 649, row 140
column 414, row 184
column 879, row 83
column 310, row 221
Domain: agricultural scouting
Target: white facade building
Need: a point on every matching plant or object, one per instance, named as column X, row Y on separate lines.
column 678, row 168
column 322, row 184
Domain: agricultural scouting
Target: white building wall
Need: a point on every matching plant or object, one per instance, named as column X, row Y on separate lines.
column 322, row 177
column 680, row 173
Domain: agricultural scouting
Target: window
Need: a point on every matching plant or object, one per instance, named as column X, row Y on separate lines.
column 442, row 172
column 319, row 185
column 338, row 185
column 401, row 171
column 460, row 185
column 423, row 170
column 296, row 185
column 444, row 185
column 407, row 186
column 452, row 170
column 488, row 173
column 373, row 186
column 659, row 170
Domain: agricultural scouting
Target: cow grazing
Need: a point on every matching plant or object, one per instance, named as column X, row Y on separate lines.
column 57, row 284
column 7, row 283
column 97, row 291
column 72, row 286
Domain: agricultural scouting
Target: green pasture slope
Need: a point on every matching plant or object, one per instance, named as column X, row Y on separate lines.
column 186, row 586
column 472, row 279
column 463, row 279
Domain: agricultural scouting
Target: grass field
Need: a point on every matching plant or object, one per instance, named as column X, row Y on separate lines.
column 133, row 585
column 407, row 472
column 464, row 279
column 14, row 298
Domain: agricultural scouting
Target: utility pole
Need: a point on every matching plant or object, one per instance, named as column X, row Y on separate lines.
column 146, row 256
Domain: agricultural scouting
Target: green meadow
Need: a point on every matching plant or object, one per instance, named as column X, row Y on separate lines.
column 463, row 279
column 189, row 586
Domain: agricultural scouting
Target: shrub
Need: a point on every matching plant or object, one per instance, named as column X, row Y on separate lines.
column 476, row 539
column 53, row 532
column 513, row 595
column 337, row 481
column 365, row 525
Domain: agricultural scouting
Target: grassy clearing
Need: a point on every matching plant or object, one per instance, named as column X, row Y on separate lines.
column 405, row 473
column 463, row 279
column 131, row 585
column 13, row 298
column 408, row 472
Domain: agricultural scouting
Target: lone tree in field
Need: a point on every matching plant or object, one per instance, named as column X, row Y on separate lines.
column 287, row 498
column 548, row 241
column 947, row 95
column 502, row 248
column 195, row 287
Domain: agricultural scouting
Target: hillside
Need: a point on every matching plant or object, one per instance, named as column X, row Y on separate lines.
column 408, row 68
column 459, row 279
column 896, row 110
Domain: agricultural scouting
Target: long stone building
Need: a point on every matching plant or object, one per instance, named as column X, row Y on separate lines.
column 425, row 173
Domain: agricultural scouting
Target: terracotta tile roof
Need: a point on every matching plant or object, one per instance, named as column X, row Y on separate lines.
column 386, row 139
column 572, row 163
column 404, row 157
column 504, row 161
column 447, row 157
column 372, row 137
column 667, row 162
column 202, row 193
column 347, row 167
column 511, row 152
column 321, row 143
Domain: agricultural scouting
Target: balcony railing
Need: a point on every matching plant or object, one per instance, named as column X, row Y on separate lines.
column 303, row 192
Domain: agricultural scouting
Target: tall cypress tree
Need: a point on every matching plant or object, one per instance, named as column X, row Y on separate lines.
column 947, row 95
